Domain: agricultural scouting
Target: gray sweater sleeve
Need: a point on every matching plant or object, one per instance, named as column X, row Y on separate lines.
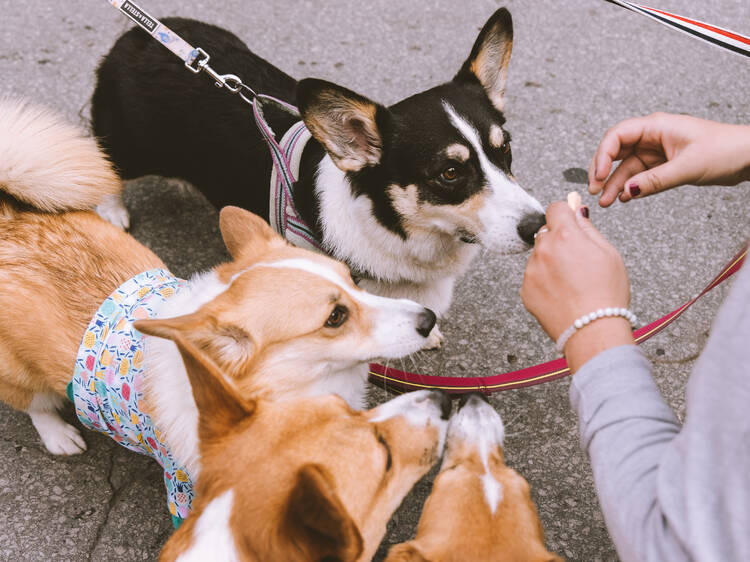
column 672, row 492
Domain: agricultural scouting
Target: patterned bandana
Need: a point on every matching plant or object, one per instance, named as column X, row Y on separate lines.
column 107, row 385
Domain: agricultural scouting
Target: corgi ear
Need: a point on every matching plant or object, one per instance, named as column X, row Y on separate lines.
column 220, row 407
column 241, row 228
column 230, row 346
column 489, row 58
column 405, row 552
column 349, row 126
column 317, row 521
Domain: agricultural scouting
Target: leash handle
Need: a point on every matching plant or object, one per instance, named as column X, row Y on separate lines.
column 195, row 58
column 402, row 381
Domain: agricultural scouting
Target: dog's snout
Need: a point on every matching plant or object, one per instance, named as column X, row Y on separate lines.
column 425, row 322
column 529, row 226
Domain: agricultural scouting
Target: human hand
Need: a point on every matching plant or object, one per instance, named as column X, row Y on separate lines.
column 661, row 151
column 573, row 271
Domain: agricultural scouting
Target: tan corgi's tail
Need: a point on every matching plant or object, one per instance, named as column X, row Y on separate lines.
column 48, row 163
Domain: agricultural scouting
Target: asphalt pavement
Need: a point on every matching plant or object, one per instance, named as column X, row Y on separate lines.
column 577, row 68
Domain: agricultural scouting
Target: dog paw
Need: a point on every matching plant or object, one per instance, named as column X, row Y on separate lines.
column 112, row 210
column 59, row 438
column 435, row 339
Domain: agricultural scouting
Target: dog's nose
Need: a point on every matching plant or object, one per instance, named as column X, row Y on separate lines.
column 425, row 322
column 443, row 400
column 529, row 226
column 471, row 397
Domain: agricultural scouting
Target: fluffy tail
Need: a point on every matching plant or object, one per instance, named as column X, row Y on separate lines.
column 50, row 164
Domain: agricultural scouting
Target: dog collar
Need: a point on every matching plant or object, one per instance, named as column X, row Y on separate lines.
column 108, row 378
column 283, row 215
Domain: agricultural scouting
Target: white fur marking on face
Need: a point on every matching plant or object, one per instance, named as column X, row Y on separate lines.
column 507, row 204
column 212, row 537
column 479, row 424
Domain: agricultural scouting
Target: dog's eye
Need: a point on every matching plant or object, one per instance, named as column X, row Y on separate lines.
column 449, row 174
column 506, row 147
column 389, row 458
column 337, row 317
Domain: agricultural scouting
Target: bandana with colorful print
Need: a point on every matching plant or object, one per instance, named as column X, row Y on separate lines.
column 107, row 385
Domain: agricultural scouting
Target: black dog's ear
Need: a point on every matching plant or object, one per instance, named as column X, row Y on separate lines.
column 489, row 57
column 348, row 125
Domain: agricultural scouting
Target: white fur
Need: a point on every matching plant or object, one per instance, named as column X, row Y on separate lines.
column 113, row 210
column 478, row 423
column 212, row 537
column 508, row 202
column 417, row 267
column 49, row 163
column 171, row 395
column 59, row 437
column 419, row 408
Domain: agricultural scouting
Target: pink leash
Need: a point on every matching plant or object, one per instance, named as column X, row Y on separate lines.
column 403, row 381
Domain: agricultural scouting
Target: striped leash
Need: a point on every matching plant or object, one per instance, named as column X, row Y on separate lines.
column 718, row 36
column 285, row 218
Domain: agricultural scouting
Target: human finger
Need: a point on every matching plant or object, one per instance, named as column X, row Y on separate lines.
column 654, row 179
column 616, row 144
column 615, row 184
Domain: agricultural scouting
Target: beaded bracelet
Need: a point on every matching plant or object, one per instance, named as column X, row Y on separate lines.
column 590, row 317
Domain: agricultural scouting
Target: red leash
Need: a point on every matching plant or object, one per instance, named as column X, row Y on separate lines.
column 402, row 381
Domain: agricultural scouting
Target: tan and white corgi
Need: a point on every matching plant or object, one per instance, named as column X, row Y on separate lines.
column 300, row 479
column 479, row 508
column 279, row 321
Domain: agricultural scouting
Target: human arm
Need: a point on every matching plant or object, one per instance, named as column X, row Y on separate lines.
column 666, row 492
column 662, row 150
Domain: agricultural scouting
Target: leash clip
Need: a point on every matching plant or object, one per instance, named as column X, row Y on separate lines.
column 199, row 63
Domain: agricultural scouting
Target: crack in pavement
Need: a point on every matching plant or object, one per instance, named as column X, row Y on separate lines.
column 116, row 492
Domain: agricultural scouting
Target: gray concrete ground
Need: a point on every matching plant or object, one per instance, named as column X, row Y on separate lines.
column 577, row 68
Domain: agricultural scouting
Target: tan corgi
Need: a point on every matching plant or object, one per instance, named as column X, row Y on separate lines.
column 301, row 479
column 279, row 321
column 479, row 508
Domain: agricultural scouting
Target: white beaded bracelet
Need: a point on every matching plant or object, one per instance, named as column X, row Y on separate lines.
column 590, row 317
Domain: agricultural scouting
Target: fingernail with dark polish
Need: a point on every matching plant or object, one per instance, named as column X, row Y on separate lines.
column 634, row 190
column 585, row 212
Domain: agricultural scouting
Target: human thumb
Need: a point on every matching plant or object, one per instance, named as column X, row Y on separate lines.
column 583, row 221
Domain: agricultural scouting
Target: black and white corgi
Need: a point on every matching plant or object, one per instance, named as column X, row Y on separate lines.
column 405, row 195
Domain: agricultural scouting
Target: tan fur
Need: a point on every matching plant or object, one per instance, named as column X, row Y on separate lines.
column 497, row 137
column 458, row 152
column 347, row 128
column 457, row 524
column 49, row 163
column 424, row 217
column 491, row 65
column 55, row 271
column 310, row 477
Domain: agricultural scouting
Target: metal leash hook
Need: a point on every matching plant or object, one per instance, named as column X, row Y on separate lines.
column 199, row 63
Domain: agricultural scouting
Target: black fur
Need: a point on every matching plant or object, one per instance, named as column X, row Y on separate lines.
column 152, row 116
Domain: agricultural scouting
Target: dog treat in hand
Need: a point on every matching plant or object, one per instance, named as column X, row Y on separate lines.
column 574, row 200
